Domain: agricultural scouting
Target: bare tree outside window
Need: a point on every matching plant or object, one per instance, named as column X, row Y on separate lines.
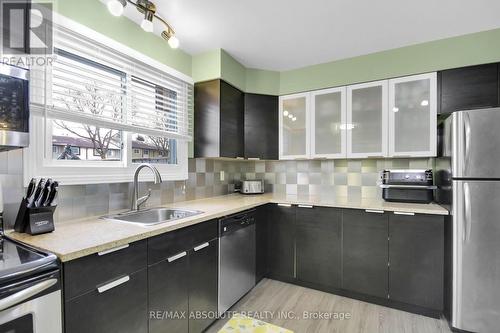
column 83, row 86
column 96, row 102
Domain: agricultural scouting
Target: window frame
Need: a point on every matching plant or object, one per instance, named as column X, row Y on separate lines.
column 37, row 158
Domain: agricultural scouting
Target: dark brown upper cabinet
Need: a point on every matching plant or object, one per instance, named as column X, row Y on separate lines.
column 218, row 120
column 230, row 123
column 261, row 127
column 467, row 88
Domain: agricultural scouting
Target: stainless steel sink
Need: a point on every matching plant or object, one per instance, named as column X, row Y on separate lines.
column 152, row 216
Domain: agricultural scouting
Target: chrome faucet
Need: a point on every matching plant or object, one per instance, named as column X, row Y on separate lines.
column 136, row 201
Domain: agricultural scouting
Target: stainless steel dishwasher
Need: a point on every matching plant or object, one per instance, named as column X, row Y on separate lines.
column 236, row 257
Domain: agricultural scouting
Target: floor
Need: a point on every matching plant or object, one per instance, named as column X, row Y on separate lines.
column 284, row 305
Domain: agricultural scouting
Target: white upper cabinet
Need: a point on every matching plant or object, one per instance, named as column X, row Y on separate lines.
column 412, row 116
column 328, row 123
column 367, row 120
column 388, row 118
column 294, row 126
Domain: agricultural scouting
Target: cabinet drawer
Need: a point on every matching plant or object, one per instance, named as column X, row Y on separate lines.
column 163, row 246
column 123, row 308
column 84, row 274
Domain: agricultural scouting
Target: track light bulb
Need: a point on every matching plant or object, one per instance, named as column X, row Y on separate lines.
column 116, row 7
column 173, row 42
column 147, row 22
column 147, row 25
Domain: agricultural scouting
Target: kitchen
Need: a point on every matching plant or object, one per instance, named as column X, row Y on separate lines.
column 161, row 180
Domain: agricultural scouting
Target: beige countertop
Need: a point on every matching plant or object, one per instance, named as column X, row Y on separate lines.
column 78, row 238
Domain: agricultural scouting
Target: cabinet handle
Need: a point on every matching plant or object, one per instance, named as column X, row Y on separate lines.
column 374, row 211
column 404, row 213
column 253, row 158
column 177, row 256
column 284, row 205
column 118, row 248
column 202, row 246
column 305, row 206
column 113, row 284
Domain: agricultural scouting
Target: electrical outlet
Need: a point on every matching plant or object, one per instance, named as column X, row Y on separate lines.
column 222, row 175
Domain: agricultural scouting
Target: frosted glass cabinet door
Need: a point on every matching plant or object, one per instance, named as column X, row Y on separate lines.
column 294, row 126
column 328, row 118
column 413, row 115
column 367, row 120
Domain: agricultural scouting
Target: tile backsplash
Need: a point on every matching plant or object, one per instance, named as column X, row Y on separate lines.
column 203, row 181
column 211, row 177
column 346, row 178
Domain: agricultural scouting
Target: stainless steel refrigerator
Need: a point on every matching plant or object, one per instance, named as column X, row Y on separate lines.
column 471, row 145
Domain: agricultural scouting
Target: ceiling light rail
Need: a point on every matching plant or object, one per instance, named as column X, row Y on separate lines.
column 148, row 9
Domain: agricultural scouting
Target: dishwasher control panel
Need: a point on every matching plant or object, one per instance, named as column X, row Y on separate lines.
column 235, row 222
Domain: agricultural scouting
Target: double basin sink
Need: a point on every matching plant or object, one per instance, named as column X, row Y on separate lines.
column 152, row 216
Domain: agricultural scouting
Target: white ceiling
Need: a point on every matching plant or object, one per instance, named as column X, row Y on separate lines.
column 287, row 34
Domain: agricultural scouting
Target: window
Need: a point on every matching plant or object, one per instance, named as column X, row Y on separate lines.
column 102, row 112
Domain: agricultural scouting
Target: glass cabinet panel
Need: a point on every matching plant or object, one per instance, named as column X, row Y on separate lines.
column 328, row 123
column 412, row 116
column 367, row 120
column 294, row 123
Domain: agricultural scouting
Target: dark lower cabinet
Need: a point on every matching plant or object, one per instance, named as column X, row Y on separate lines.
column 375, row 255
column 203, row 274
column 184, row 284
column 281, row 242
column 416, row 256
column 168, row 289
column 365, row 252
column 123, row 308
column 319, row 245
column 261, row 248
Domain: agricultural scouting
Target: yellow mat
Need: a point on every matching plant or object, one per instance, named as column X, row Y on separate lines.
column 243, row 324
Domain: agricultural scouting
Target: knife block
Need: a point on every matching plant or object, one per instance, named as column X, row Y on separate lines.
column 34, row 220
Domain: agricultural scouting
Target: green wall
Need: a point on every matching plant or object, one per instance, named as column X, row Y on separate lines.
column 232, row 71
column 207, row 66
column 94, row 14
column 260, row 81
column 472, row 49
column 218, row 64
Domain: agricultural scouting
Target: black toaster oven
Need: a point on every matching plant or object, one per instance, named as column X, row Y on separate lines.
column 408, row 186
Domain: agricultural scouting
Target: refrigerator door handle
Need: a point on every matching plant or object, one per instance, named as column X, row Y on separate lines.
column 468, row 216
column 467, row 135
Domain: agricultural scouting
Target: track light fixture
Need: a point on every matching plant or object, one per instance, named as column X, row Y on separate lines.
column 146, row 7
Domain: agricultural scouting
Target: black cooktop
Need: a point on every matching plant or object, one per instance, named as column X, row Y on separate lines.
column 18, row 261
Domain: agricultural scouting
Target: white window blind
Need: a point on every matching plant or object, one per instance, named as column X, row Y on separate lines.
column 91, row 83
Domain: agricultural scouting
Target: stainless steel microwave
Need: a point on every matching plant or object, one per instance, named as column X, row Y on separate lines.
column 14, row 107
